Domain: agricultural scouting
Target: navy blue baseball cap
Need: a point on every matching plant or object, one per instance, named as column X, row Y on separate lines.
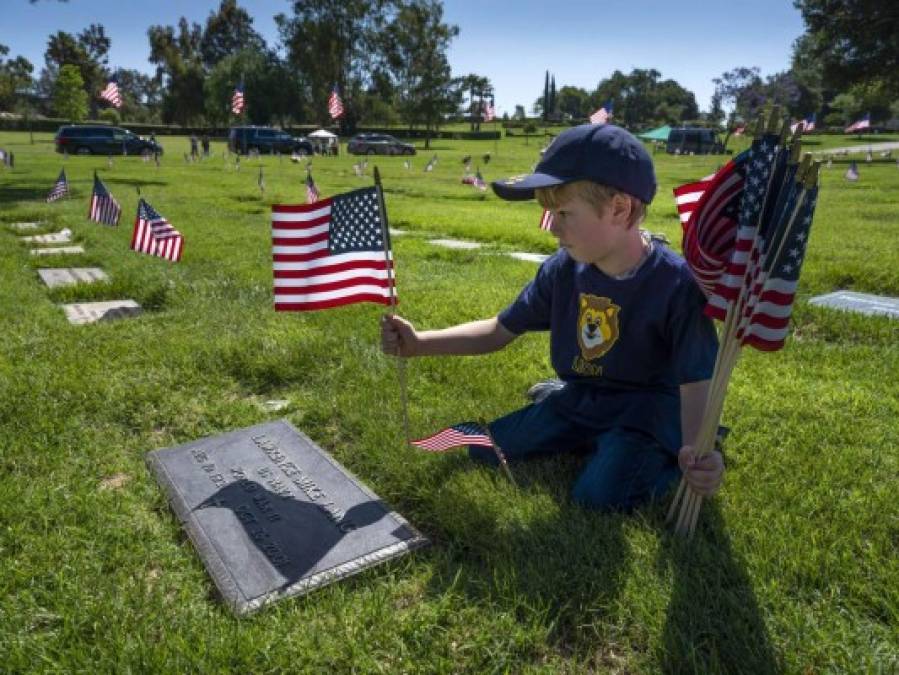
column 602, row 153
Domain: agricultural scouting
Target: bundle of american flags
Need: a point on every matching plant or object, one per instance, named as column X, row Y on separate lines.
column 746, row 231
column 154, row 235
column 332, row 252
column 104, row 208
column 60, row 188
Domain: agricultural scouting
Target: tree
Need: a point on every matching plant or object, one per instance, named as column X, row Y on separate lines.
column 543, row 102
column 519, row 113
column 87, row 51
column 856, row 41
column 179, row 68
column 641, row 98
column 15, row 78
column 478, row 88
column 418, row 43
column 741, row 88
column 551, row 104
column 574, row 102
column 228, row 31
column 69, row 98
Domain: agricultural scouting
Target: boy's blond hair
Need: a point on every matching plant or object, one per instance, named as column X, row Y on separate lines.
column 595, row 194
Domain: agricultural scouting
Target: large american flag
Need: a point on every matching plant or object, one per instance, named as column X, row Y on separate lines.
column 104, row 208
column 766, row 318
column 465, row 433
column 335, row 105
column 708, row 212
column 237, row 99
column 331, row 253
column 111, row 93
column 60, row 188
column 761, row 162
column 312, row 193
column 863, row 123
column 154, row 235
column 603, row 115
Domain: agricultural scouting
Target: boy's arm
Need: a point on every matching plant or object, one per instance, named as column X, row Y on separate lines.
column 399, row 338
column 704, row 473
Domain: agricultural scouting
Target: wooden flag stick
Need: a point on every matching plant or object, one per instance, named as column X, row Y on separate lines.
column 500, row 455
column 385, row 237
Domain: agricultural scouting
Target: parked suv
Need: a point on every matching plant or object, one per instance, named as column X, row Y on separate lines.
column 696, row 141
column 378, row 144
column 100, row 139
column 265, row 140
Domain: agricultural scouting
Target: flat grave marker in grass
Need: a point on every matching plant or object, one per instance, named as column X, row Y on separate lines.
column 272, row 515
column 529, row 257
column 863, row 303
column 61, row 237
column 66, row 276
column 455, row 243
column 79, row 313
column 22, row 227
column 58, row 250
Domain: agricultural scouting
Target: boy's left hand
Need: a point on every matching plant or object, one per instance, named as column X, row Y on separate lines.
column 703, row 474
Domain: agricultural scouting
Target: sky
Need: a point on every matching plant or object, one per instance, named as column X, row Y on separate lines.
column 581, row 42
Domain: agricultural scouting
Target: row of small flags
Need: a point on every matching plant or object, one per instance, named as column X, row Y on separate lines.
column 152, row 234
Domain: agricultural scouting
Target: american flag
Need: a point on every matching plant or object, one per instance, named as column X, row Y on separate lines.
column 708, row 212
column 312, row 193
column 479, row 182
column 465, row 433
column 111, row 93
column 489, row 112
column 863, row 123
column 60, row 188
column 331, row 253
column 104, row 208
column 852, row 171
column 237, row 99
column 431, row 163
column 546, row 220
column 766, row 318
column 154, row 235
column 335, row 105
column 738, row 131
column 603, row 115
column 760, row 164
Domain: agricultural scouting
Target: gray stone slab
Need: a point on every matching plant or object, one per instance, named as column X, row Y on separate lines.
column 455, row 243
column 272, row 515
column 57, row 250
column 90, row 312
column 529, row 257
column 22, row 227
column 396, row 232
column 864, row 303
column 66, row 276
column 61, row 237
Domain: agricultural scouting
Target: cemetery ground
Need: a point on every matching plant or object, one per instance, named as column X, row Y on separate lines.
column 794, row 566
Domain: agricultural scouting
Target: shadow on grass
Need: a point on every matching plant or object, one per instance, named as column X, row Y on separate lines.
column 9, row 194
column 565, row 572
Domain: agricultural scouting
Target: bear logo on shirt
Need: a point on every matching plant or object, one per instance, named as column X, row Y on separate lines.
column 597, row 325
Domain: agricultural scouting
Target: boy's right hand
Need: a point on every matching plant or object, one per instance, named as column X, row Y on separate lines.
column 398, row 336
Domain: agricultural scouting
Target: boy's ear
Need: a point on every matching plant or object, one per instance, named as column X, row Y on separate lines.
column 621, row 207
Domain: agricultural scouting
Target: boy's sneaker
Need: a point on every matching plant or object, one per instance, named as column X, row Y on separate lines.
column 544, row 388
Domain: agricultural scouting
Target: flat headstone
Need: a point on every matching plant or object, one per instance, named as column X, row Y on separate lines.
column 455, row 243
column 275, row 405
column 61, row 237
column 529, row 257
column 90, row 312
column 66, row 276
column 57, row 250
column 25, row 226
column 864, row 303
column 396, row 232
column 272, row 515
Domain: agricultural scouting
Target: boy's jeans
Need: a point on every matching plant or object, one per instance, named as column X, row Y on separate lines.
column 625, row 468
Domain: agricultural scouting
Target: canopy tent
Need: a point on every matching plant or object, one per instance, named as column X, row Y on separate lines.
column 660, row 134
column 321, row 133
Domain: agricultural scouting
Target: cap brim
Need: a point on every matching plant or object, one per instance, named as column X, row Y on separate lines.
column 519, row 188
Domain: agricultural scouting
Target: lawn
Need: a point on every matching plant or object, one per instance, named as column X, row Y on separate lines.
column 794, row 567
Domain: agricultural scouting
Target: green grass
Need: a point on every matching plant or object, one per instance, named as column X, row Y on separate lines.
column 794, row 567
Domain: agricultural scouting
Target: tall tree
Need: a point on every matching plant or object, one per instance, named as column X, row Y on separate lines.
column 857, row 41
column 551, row 105
column 87, row 51
column 15, row 77
column 741, row 88
column 545, row 99
column 228, row 31
column 417, row 56
column 641, row 98
column 179, row 68
column 69, row 97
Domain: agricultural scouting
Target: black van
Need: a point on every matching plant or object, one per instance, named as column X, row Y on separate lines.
column 694, row 141
column 265, row 140
column 100, row 139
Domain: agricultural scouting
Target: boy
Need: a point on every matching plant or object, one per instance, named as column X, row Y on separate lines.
column 627, row 333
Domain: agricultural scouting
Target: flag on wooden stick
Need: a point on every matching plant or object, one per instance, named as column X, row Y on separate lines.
column 60, row 187
column 104, row 208
column 464, row 433
column 154, row 235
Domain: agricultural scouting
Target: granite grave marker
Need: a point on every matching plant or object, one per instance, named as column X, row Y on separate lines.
column 66, row 276
column 58, row 250
column 90, row 312
column 863, row 303
column 272, row 515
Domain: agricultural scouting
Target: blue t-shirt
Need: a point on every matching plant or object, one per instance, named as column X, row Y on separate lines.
column 622, row 346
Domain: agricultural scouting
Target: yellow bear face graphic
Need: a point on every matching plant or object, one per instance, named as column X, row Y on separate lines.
column 597, row 325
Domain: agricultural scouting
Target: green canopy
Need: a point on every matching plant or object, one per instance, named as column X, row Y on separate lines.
column 660, row 134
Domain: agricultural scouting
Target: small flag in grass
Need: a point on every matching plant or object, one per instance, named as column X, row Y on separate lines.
column 154, row 235
column 104, row 208
column 60, row 188
column 312, row 193
column 465, row 433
